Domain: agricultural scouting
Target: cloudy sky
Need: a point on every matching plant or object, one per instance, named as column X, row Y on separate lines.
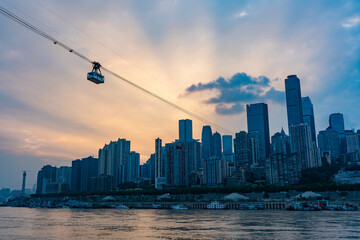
column 211, row 57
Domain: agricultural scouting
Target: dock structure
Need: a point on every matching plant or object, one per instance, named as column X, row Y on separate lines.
column 204, row 205
column 276, row 205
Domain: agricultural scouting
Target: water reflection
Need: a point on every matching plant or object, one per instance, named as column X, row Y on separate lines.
column 28, row 223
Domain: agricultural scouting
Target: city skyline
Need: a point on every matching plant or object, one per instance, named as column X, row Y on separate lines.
column 48, row 101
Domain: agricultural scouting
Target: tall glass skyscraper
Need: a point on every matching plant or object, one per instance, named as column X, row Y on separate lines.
column 227, row 144
column 217, row 144
column 336, row 122
column 228, row 147
column 293, row 100
column 308, row 116
column 206, row 142
column 258, row 121
column 185, row 130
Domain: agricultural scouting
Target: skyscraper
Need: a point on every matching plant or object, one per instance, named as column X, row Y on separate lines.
column 217, row 144
column 112, row 156
column 242, row 149
column 293, row 100
column 352, row 141
column 158, row 158
column 88, row 168
column 215, row 171
column 282, row 167
column 63, row 175
column 183, row 163
column 192, row 162
column 151, row 162
column 75, row 176
column 81, row 173
column 163, row 161
column 258, row 121
column 133, row 168
column 228, row 148
column 329, row 143
column 257, row 149
column 301, row 144
column 336, row 122
column 185, row 130
column 160, row 179
column 206, row 142
column 308, row 116
column 147, row 170
column 46, row 181
column 280, row 143
column 175, row 157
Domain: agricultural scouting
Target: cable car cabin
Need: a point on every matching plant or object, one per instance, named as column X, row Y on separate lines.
column 95, row 77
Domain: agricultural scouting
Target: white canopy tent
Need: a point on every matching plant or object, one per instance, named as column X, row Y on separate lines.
column 308, row 195
column 108, row 198
column 235, row 197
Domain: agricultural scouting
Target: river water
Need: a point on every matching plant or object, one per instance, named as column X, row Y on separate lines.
column 27, row 223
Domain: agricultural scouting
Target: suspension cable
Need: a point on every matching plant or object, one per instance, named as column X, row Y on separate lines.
column 43, row 34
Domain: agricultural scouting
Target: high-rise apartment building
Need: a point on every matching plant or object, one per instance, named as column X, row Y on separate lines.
column 63, row 175
column 283, row 169
column 352, row 141
column 185, row 130
column 175, row 161
column 81, row 173
column 293, row 100
column 242, row 149
column 147, row 170
column 193, row 162
column 280, row 143
column 133, row 169
column 89, row 168
column 215, row 171
column 46, row 176
column 112, row 156
column 151, row 163
column 160, row 180
column 302, row 144
column 75, row 176
column 183, row 162
column 258, row 121
column 158, row 158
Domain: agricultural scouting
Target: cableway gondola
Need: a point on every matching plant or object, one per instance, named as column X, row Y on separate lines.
column 95, row 75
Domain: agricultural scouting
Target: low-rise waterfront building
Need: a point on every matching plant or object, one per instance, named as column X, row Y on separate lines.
column 348, row 177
